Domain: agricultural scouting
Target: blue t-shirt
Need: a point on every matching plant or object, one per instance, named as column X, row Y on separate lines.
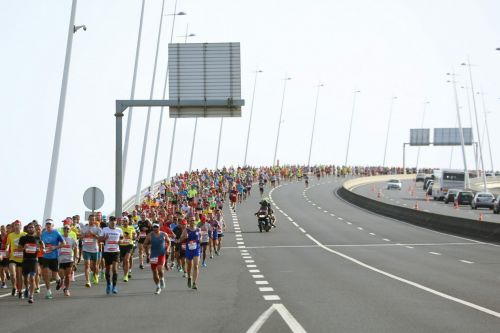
column 51, row 239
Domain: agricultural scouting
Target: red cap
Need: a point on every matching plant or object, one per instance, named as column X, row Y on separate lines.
column 203, row 218
column 184, row 222
column 67, row 221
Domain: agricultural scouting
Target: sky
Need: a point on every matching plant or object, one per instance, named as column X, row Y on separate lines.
column 383, row 48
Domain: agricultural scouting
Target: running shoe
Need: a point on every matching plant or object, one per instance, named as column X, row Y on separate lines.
column 162, row 283
column 115, row 290
column 13, row 293
column 26, row 293
column 194, row 286
column 216, row 253
column 58, row 284
column 20, row 294
column 181, row 270
column 184, row 275
column 130, row 274
column 125, row 278
column 211, row 256
column 189, row 282
column 147, row 260
column 87, row 284
column 48, row 295
column 158, row 290
column 141, row 266
column 4, row 285
column 30, row 300
column 101, row 275
column 203, row 264
column 108, row 288
column 96, row 279
column 66, row 292
column 37, row 290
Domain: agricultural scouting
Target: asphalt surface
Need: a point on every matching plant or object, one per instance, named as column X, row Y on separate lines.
column 327, row 267
column 408, row 198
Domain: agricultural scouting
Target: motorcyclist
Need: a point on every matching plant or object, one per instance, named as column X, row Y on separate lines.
column 265, row 205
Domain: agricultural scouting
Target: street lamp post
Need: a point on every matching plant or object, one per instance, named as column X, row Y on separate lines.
column 251, row 113
column 485, row 187
column 466, row 170
column 157, row 148
column 474, row 146
column 388, row 127
column 487, row 131
column 314, row 125
column 49, row 199
column 132, row 93
column 421, row 126
column 355, row 93
column 148, row 117
column 175, row 120
column 281, row 115
column 218, row 145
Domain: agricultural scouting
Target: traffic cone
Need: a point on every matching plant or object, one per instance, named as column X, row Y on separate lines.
column 481, row 217
column 455, row 204
column 379, row 194
column 416, row 206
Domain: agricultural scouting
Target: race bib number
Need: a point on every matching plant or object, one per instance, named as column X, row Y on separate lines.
column 30, row 248
column 112, row 246
column 65, row 250
column 192, row 245
column 88, row 241
column 142, row 235
column 18, row 254
column 153, row 260
column 125, row 242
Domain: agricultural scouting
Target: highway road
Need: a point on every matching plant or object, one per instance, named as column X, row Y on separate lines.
column 327, row 267
column 407, row 198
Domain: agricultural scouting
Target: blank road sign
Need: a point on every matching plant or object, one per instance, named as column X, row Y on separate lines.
column 419, row 137
column 205, row 72
column 451, row 136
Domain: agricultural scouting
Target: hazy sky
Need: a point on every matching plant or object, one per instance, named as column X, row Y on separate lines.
column 383, row 48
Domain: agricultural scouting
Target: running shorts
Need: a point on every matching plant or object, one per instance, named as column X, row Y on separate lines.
column 110, row 257
column 29, row 266
column 64, row 265
column 51, row 264
column 90, row 256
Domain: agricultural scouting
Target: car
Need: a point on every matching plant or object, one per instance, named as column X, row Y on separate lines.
column 429, row 190
column 450, row 195
column 497, row 173
column 464, row 197
column 394, row 183
column 496, row 205
column 483, row 200
column 489, row 174
column 427, row 181
column 420, row 177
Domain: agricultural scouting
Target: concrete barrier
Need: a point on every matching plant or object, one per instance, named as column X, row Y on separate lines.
column 482, row 231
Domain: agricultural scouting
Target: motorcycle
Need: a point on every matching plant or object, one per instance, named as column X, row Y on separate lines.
column 264, row 221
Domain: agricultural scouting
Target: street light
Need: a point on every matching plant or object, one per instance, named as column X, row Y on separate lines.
column 281, row 115
column 355, row 93
column 49, row 199
column 132, row 92
column 251, row 113
column 157, row 148
column 466, row 171
column 485, row 187
column 487, row 130
column 148, row 117
column 388, row 127
column 314, row 125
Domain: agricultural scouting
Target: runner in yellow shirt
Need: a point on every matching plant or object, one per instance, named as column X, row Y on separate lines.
column 126, row 247
column 15, row 258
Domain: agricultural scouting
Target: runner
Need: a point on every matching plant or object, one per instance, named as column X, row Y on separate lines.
column 52, row 240
column 180, row 251
column 4, row 258
column 67, row 254
column 205, row 232
column 30, row 244
column 15, row 258
column 144, row 229
column 90, row 246
column 191, row 235
column 159, row 243
column 214, row 241
column 111, row 237
column 220, row 231
column 126, row 247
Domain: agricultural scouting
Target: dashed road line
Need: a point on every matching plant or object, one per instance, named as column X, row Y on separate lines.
column 467, row 261
column 435, row 253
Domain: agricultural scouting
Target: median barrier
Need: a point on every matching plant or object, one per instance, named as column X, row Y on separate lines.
column 483, row 231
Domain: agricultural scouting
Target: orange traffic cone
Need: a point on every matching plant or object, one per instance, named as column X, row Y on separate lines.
column 455, row 204
column 416, row 206
column 481, row 217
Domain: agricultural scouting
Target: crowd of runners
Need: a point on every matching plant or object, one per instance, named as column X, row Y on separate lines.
column 178, row 227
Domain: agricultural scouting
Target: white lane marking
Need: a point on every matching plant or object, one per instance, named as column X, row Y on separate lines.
column 240, row 243
column 314, row 204
column 241, row 246
column 435, row 253
column 246, row 257
column 290, row 219
column 319, row 207
column 295, row 224
column 339, row 218
column 302, row 229
column 258, row 276
column 249, row 261
column 292, row 323
column 271, row 297
column 238, row 231
column 349, row 223
column 251, row 266
column 285, row 215
column 332, row 214
column 409, row 247
column 371, row 233
column 277, row 207
column 261, row 282
column 359, row 228
column 411, row 283
column 254, row 270
column 387, row 240
column 266, row 289
column 467, row 262
column 325, row 211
